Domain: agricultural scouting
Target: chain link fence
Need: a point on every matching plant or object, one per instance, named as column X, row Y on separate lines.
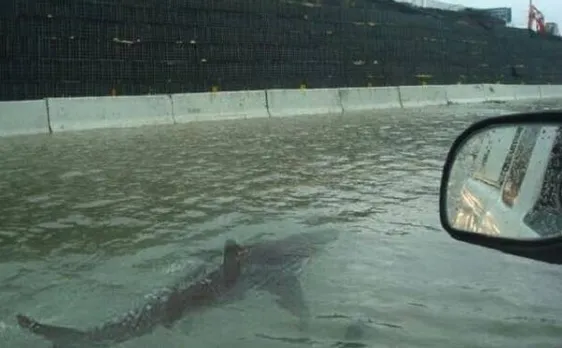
column 54, row 48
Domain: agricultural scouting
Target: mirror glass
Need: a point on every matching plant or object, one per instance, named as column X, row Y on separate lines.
column 506, row 181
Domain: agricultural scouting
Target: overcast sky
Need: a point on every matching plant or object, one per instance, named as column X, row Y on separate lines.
column 551, row 9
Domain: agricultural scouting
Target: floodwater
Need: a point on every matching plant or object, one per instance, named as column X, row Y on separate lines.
column 90, row 222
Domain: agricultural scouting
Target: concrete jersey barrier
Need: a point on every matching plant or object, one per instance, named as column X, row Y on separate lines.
column 460, row 94
column 527, row 92
column 109, row 112
column 219, row 106
column 550, row 91
column 64, row 114
column 23, row 117
column 300, row 102
column 497, row 92
column 420, row 96
column 371, row 98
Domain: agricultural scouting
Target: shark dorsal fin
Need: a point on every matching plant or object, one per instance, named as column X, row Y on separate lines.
column 231, row 260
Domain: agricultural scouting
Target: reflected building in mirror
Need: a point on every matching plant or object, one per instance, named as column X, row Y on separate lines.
column 514, row 188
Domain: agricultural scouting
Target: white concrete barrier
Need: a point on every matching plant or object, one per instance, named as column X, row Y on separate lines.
column 23, row 117
column 60, row 114
column 109, row 112
column 464, row 94
column 551, row 91
column 299, row 102
column 420, row 96
column 370, row 98
column 219, row 106
column 527, row 92
column 498, row 92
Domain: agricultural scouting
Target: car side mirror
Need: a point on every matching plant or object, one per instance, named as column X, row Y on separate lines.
column 501, row 186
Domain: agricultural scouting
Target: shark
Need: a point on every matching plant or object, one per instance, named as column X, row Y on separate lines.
column 273, row 266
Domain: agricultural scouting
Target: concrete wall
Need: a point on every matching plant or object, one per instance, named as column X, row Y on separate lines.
column 64, row 114
column 420, row 96
column 526, row 92
column 499, row 92
column 457, row 94
column 23, row 117
column 300, row 102
column 109, row 112
column 373, row 98
column 550, row 91
column 219, row 106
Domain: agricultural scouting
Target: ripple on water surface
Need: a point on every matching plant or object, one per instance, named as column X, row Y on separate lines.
column 91, row 222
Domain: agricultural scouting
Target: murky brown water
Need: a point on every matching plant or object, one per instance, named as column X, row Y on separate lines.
column 92, row 221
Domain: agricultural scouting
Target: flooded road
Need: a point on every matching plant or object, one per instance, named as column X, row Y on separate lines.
column 90, row 222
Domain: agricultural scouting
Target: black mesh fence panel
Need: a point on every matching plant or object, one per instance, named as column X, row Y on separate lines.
column 93, row 47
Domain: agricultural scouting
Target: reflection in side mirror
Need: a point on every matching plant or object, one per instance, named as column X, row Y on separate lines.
column 505, row 181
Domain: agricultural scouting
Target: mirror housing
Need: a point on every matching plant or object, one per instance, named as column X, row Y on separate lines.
column 501, row 186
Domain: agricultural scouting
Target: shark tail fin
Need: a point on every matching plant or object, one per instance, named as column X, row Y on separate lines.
column 50, row 332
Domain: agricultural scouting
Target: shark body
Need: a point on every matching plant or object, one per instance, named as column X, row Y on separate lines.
column 272, row 266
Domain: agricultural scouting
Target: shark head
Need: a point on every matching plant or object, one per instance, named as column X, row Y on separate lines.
column 233, row 253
